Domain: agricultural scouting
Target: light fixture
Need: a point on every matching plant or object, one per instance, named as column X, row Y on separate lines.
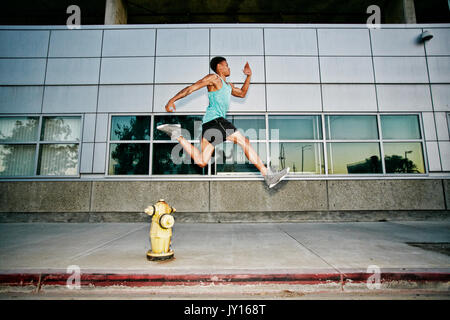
column 426, row 35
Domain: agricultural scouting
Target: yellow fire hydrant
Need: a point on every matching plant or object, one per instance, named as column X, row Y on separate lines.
column 160, row 230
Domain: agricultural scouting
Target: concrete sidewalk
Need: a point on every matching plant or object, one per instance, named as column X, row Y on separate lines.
column 39, row 254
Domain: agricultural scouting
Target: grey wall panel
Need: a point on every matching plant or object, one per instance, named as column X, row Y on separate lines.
column 101, row 127
column 255, row 100
column 182, row 42
column 99, row 158
column 24, row 43
column 386, row 195
column 87, row 156
column 237, row 63
column 138, row 42
column 195, row 102
column 126, row 70
column 73, row 71
column 292, row 69
column 125, row 98
column 344, row 97
column 293, row 97
column 180, row 69
column 344, row 42
column 440, row 44
column 89, row 127
column 434, row 161
column 46, row 196
column 290, row 41
column 441, row 97
column 444, row 148
column 429, row 127
column 21, row 99
column 251, row 196
column 236, row 42
column 135, row 196
column 404, row 97
column 400, row 69
column 346, row 69
column 441, row 125
column 439, row 69
column 22, row 71
column 396, row 42
column 75, row 43
column 72, row 99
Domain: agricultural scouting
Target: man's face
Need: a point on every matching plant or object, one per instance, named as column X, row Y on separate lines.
column 223, row 68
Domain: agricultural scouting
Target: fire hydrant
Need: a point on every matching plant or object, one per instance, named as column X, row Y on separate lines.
column 160, row 230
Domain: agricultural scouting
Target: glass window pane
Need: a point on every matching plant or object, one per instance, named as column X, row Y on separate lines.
column 351, row 127
column 231, row 158
column 17, row 160
column 402, row 157
column 347, row 158
column 61, row 129
column 306, row 158
column 18, row 129
column 191, row 126
column 58, row 159
column 400, row 127
column 295, row 127
column 129, row 158
column 179, row 163
column 253, row 127
column 130, row 128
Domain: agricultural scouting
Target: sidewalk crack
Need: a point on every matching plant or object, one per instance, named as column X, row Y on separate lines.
column 312, row 251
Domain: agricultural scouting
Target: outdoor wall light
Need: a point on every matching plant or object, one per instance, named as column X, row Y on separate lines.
column 426, row 35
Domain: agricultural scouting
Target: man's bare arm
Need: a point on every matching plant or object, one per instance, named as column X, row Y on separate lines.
column 242, row 92
column 207, row 80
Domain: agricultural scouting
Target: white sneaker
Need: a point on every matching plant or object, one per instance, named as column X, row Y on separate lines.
column 274, row 177
column 173, row 130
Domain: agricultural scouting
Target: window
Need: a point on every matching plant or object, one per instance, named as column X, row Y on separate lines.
column 329, row 144
column 402, row 144
column 296, row 142
column 129, row 149
column 230, row 157
column 352, row 144
column 43, row 146
column 168, row 156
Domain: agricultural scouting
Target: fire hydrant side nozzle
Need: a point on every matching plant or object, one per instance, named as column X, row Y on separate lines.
column 160, row 230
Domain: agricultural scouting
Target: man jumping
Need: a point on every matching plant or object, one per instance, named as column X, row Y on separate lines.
column 214, row 125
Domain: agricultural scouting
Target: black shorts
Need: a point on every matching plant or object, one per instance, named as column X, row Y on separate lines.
column 217, row 130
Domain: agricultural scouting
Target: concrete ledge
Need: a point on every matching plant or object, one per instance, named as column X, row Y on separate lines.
column 386, row 195
column 229, row 217
column 253, row 196
column 129, row 196
column 44, row 196
column 225, row 201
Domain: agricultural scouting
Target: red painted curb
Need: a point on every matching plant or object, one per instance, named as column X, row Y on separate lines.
column 141, row 280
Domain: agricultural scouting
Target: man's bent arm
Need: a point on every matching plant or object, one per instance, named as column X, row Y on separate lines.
column 188, row 90
column 241, row 93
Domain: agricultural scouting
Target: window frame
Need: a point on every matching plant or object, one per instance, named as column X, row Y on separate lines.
column 38, row 143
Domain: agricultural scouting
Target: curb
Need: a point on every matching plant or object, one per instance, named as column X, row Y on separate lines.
column 39, row 280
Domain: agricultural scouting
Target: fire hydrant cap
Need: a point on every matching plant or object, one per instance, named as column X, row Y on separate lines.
column 166, row 221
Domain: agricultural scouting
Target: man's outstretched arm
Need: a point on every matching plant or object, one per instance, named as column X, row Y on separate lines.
column 243, row 91
column 207, row 80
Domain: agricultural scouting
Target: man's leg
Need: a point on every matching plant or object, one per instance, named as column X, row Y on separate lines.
column 250, row 153
column 201, row 158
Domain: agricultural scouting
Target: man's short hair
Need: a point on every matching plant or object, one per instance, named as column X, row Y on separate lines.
column 215, row 61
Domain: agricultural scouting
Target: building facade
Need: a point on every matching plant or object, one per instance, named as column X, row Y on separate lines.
column 360, row 115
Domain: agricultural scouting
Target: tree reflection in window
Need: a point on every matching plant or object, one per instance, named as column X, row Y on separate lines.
column 129, row 158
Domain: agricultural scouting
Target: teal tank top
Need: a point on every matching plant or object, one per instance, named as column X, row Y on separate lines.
column 219, row 102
